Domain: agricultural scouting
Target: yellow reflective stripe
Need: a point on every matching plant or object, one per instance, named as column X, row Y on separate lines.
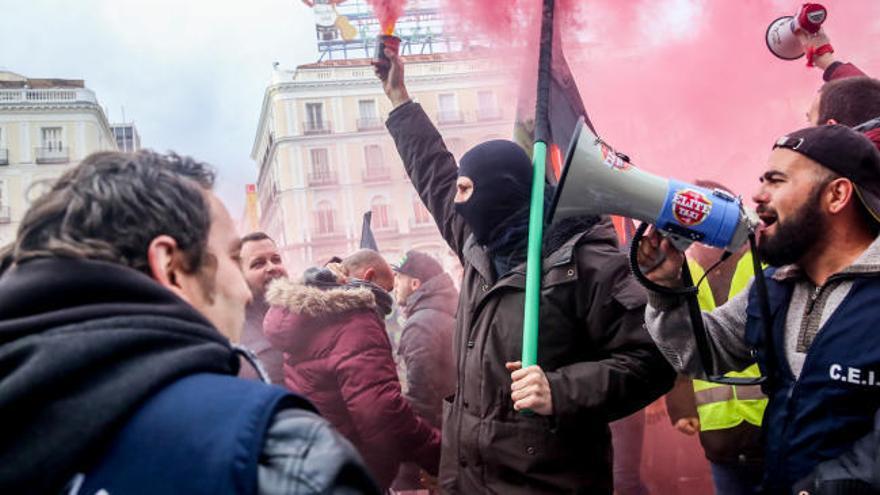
column 719, row 406
column 714, row 394
column 749, row 392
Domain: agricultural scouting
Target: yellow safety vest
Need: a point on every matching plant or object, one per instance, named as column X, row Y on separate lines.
column 724, row 406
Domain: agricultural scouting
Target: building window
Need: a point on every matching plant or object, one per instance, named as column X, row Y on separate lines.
column 448, row 108
column 487, row 106
column 367, row 109
column 374, row 157
column 315, row 113
column 51, row 148
column 368, row 116
column 315, row 122
column 324, row 218
column 320, row 163
column 379, row 207
column 421, row 214
column 51, row 138
column 5, row 212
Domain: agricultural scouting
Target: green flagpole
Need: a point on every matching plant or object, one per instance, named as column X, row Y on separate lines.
column 536, row 212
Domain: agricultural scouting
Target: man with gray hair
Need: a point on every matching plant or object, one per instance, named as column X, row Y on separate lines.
column 117, row 312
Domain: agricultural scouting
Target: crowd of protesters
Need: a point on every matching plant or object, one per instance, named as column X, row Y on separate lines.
column 147, row 348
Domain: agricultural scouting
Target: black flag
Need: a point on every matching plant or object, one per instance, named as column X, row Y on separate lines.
column 367, row 239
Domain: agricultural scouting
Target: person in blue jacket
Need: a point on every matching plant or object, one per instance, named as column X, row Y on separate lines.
column 118, row 302
column 819, row 203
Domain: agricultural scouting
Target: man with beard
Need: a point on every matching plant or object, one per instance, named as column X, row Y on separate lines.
column 596, row 363
column 261, row 263
column 331, row 328
column 118, row 372
column 427, row 298
column 819, row 202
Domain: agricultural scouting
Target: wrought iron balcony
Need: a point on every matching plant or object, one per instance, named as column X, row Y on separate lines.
column 450, row 117
column 323, row 179
column 317, row 127
column 52, row 154
column 487, row 114
column 369, row 124
column 381, row 173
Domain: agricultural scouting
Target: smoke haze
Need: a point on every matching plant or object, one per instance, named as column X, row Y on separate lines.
column 686, row 88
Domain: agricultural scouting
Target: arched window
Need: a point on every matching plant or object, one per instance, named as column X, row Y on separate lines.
column 420, row 213
column 379, row 207
column 325, row 216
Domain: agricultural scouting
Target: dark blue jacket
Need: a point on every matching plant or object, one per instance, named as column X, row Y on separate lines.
column 202, row 434
column 821, row 414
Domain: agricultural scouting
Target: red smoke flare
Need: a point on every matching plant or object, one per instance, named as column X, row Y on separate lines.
column 686, row 88
column 387, row 11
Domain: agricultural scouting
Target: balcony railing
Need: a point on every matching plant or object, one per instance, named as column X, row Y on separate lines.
column 5, row 214
column 369, row 124
column 51, row 155
column 323, row 179
column 40, row 96
column 450, row 117
column 377, row 174
column 4, row 156
column 389, row 226
column 317, row 127
column 415, row 223
column 327, row 234
column 487, row 114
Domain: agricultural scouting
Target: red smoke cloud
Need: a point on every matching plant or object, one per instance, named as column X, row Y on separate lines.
column 686, row 88
column 387, row 11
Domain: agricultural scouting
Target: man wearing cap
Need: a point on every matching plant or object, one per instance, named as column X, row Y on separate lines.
column 819, row 201
column 428, row 300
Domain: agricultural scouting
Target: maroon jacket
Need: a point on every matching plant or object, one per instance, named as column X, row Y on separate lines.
column 338, row 355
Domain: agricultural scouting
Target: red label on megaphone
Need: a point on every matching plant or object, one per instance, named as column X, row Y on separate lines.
column 690, row 207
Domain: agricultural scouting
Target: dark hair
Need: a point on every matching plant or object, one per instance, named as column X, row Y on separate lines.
column 256, row 236
column 850, row 101
column 112, row 205
column 869, row 222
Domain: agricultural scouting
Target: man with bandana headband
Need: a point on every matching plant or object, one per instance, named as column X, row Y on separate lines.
column 596, row 363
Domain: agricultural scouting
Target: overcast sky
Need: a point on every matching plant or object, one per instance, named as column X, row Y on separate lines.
column 190, row 73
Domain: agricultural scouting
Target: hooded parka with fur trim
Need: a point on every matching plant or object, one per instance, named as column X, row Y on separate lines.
column 338, row 355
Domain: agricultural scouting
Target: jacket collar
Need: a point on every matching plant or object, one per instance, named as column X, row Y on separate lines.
column 479, row 257
column 868, row 263
column 437, row 293
column 310, row 301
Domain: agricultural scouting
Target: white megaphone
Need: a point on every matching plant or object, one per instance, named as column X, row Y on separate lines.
column 781, row 38
column 597, row 180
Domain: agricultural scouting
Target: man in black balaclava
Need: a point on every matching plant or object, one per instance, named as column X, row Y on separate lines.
column 596, row 362
column 493, row 191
